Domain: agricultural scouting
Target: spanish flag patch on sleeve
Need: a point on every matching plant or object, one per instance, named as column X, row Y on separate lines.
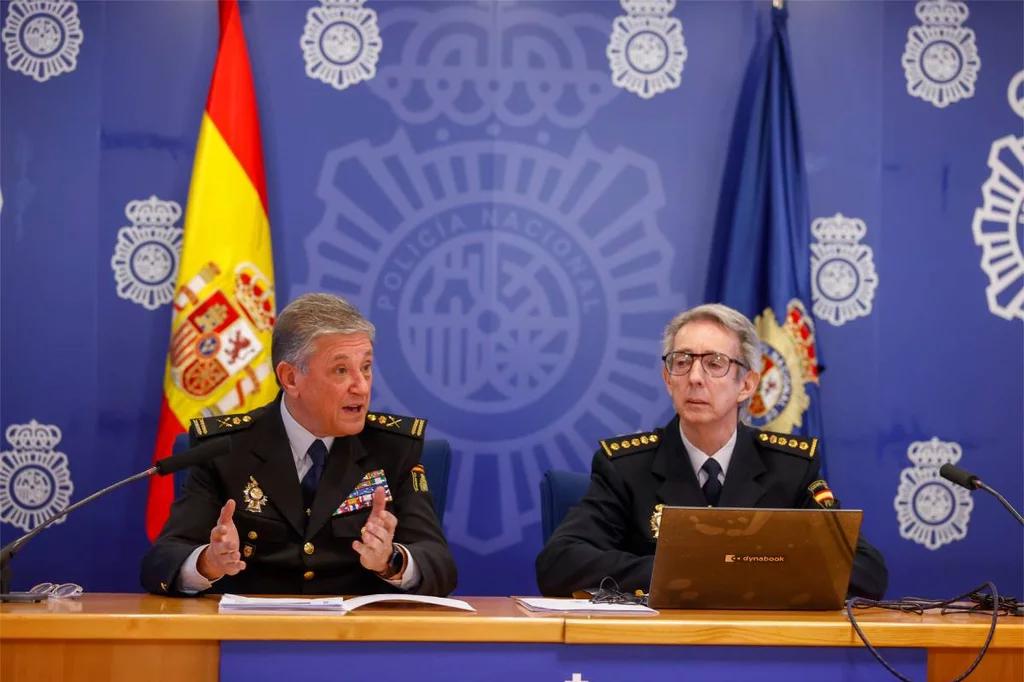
column 419, row 479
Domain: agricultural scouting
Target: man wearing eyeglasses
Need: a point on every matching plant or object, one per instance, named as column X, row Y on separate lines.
column 704, row 456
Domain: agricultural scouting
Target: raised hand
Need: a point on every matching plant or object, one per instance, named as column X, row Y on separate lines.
column 221, row 556
column 375, row 545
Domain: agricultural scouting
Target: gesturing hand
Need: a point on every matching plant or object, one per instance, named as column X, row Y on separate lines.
column 221, row 556
column 375, row 547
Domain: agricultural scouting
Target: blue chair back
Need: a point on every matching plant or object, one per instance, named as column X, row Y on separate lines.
column 559, row 492
column 436, row 459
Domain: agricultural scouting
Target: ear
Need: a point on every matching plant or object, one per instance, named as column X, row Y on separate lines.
column 288, row 377
column 748, row 385
column 665, row 377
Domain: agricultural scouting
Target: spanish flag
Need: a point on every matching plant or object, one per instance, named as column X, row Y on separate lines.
column 218, row 362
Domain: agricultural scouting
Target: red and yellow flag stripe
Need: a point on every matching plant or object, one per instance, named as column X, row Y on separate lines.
column 219, row 357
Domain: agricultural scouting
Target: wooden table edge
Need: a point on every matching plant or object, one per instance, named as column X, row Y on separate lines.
column 1009, row 634
column 258, row 627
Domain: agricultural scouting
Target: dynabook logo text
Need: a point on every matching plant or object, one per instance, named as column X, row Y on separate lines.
column 754, row 558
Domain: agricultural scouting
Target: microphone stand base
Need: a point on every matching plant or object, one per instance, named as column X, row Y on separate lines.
column 21, row 597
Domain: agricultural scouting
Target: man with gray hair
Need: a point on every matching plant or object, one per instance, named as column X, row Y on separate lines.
column 704, row 456
column 317, row 495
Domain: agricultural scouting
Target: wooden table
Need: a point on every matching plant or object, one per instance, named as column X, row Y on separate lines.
column 145, row 637
column 127, row 636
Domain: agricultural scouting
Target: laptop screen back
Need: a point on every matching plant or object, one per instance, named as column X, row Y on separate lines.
column 726, row 558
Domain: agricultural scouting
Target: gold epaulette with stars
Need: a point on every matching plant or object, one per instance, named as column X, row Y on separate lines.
column 203, row 427
column 804, row 446
column 637, row 442
column 396, row 423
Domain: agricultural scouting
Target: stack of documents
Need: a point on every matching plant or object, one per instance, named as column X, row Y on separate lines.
column 582, row 606
column 234, row 603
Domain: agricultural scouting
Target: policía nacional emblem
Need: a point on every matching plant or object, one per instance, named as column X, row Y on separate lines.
column 42, row 38
column 843, row 277
column 940, row 60
column 656, row 520
column 998, row 221
column 254, row 496
column 35, row 481
column 530, row 273
column 646, row 51
column 145, row 260
column 341, row 43
column 930, row 510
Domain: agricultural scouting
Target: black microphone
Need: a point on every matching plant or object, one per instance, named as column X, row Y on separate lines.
column 200, row 454
column 205, row 452
column 955, row 474
column 966, row 479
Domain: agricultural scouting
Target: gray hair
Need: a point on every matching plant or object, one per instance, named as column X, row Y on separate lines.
column 731, row 320
column 311, row 316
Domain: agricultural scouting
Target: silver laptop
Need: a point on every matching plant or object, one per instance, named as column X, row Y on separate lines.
column 728, row 558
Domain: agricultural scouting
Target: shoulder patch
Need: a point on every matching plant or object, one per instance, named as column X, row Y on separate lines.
column 804, row 446
column 636, row 442
column 822, row 494
column 202, row 427
column 419, row 479
column 396, row 423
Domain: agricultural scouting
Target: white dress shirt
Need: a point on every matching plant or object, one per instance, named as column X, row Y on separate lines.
column 190, row 580
column 698, row 457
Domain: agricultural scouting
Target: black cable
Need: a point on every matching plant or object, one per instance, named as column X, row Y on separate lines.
column 608, row 593
column 612, row 595
column 980, row 603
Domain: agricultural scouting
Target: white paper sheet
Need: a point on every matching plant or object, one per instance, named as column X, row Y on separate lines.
column 356, row 602
column 543, row 604
column 235, row 602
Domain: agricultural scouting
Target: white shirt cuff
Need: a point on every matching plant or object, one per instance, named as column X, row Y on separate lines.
column 190, row 580
column 411, row 577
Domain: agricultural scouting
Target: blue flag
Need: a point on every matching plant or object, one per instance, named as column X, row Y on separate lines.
column 760, row 261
